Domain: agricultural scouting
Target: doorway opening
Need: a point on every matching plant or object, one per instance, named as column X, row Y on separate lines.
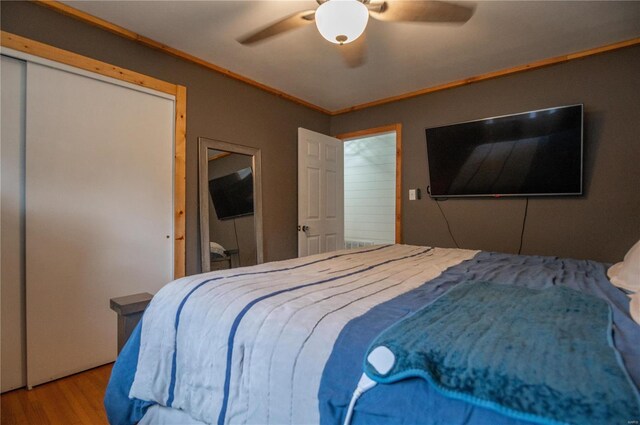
column 372, row 186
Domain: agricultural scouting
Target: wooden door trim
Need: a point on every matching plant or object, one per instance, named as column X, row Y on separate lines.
column 382, row 130
column 35, row 48
column 218, row 156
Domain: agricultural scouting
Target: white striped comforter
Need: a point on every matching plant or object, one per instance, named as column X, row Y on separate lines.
column 251, row 343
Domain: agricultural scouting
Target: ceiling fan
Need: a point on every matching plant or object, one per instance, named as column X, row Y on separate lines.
column 344, row 21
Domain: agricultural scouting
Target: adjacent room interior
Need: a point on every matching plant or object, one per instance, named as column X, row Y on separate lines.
column 371, row 183
column 262, row 210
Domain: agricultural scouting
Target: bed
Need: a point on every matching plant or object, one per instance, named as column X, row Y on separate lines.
column 285, row 342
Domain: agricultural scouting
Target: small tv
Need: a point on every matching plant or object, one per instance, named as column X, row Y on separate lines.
column 535, row 153
column 232, row 194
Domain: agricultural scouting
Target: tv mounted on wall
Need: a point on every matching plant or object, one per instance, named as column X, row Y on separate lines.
column 232, row 195
column 535, row 153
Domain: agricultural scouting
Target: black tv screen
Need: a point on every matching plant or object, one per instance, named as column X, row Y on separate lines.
column 232, row 195
column 536, row 153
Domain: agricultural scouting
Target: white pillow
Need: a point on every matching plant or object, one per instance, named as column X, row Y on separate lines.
column 626, row 274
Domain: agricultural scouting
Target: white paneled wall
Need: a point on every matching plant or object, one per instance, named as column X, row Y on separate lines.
column 370, row 189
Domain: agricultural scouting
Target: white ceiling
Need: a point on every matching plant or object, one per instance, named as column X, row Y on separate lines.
column 402, row 57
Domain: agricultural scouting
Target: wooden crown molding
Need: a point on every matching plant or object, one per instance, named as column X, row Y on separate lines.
column 123, row 32
column 495, row 74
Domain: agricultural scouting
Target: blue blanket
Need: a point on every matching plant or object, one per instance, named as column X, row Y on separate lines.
column 120, row 408
column 540, row 355
column 414, row 400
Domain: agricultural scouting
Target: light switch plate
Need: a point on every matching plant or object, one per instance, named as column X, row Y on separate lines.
column 412, row 194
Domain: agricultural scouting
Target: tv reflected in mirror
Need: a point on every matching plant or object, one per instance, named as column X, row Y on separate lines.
column 232, row 195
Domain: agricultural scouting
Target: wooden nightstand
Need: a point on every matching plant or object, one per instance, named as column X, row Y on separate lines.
column 129, row 309
column 226, row 259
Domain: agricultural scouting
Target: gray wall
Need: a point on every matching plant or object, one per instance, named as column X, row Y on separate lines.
column 601, row 225
column 217, row 107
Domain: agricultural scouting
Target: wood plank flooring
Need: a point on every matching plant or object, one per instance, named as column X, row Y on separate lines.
column 74, row 400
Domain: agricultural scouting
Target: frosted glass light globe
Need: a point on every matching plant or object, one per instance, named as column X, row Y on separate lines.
column 342, row 21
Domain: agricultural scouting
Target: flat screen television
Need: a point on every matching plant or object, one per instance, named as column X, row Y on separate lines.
column 535, row 153
column 232, row 195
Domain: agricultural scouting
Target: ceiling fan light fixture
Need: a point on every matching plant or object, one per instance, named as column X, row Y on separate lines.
column 342, row 21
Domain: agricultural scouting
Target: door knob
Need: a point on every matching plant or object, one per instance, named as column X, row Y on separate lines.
column 303, row 228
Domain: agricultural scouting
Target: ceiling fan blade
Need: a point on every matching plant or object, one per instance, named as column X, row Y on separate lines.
column 420, row 11
column 354, row 54
column 291, row 22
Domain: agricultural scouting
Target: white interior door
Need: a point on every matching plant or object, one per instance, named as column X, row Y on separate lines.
column 320, row 193
column 99, row 212
column 13, row 76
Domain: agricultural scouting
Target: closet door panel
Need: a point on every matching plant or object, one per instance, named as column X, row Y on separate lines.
column 99, row 213
column 12, row 223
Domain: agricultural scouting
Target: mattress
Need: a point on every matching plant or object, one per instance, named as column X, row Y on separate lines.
column 284, row 342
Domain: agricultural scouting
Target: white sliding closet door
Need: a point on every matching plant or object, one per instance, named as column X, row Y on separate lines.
column 12, row 73
column 99, row 212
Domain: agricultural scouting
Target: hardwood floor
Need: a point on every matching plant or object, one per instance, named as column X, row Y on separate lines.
column 76, row 399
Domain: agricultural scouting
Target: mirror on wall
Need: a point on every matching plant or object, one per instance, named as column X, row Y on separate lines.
column 230, row 205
